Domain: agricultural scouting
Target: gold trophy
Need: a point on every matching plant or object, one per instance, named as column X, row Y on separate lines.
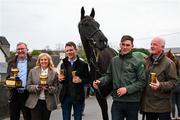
column 73, row 73
column 62, row 72
column 153, row 77
column 13, row 81
column 43, row 80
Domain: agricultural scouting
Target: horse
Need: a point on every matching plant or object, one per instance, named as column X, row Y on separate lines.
column 98, row 54
column 175, row 92
column 170, row 55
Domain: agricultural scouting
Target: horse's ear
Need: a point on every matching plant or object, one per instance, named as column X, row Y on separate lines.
column 92, row 13
column 82, row 12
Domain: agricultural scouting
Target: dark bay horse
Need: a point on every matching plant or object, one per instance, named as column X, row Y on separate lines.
column 175, row 94
column 98, row 55
column 170, row 55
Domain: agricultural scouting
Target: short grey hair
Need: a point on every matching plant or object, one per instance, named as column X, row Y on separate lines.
column 20, row 43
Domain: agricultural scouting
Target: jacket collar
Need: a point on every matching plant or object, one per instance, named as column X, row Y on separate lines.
column 156, row 61
column 65, row 60
column 128, row 55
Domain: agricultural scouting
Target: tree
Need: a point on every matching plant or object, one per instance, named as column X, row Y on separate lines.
column 81, row 52
column 35, row 53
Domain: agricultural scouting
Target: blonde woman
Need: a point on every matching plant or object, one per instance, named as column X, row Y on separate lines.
column 42, row 85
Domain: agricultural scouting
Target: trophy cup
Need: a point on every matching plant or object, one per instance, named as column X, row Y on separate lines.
column 153, row 77
column 73, row 73
column 13, row 81
column 43, row 80
column 62, row 72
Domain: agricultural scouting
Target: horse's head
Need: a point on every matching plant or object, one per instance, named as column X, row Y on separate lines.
column 90, row 32
column 170, row 55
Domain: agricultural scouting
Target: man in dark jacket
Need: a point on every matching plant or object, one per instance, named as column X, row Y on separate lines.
column 75, row 75
column 127, row 74
column 156, row 98
column 18, row 96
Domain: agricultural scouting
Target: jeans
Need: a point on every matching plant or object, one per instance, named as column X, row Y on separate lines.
column 122, row 110
column 175, row 100
column 67, row 105
column 155, row 116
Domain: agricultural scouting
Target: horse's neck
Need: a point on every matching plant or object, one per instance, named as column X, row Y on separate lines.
column 88, row 51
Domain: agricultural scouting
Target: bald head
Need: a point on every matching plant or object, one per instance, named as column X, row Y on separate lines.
column 157, row 46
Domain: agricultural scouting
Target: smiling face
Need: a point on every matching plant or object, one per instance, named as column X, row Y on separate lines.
column 44, row 62
column 71, row 52
column 21, row 51
column 157, row 46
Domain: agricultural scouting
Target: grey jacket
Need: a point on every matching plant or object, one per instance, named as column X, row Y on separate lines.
column 50, row 94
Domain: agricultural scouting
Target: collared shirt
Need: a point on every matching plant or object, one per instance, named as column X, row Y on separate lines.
column 72, row 61
column 22, row 74
column 44, row 72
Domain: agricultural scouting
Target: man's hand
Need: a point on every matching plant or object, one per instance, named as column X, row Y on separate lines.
column 155, row 85
column 121, row 91
column 61, row 77
column 76, row 79
column 96, row 83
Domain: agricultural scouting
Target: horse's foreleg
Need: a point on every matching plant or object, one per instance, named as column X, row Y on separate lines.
column 103, row 105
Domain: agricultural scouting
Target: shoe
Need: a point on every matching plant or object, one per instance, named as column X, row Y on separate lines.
column 178, row 118
column 173, row 118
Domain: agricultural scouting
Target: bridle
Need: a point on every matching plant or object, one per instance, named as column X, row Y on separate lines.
column 96, row 52
column 91, row 40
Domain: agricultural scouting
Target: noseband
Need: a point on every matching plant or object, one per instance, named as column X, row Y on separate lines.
column 90, row 39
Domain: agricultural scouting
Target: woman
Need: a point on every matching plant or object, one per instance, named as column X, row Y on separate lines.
column 42, row 85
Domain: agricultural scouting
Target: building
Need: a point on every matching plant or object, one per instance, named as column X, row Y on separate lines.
column 4, row 54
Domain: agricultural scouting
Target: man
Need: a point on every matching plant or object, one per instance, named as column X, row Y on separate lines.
column 18, row 96
column 156, row 98
column 75, row 75
column 127, row 74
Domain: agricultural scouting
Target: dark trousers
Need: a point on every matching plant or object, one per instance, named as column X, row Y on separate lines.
column 175, row 101
column 40, row 112
column 158, row 116
column 67, row 105
column 122, row 110
column 17, row 104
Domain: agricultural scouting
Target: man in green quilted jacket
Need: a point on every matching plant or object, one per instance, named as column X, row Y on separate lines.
column 127, row 73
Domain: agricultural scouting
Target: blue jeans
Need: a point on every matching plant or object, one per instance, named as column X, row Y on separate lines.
column 122, row 110
column 67, row 105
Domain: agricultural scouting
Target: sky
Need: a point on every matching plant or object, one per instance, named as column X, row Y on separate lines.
column 51, row 23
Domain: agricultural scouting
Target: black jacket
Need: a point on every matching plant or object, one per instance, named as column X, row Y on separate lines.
column 74, row 90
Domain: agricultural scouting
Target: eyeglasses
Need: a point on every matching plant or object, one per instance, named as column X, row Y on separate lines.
column 18, row 49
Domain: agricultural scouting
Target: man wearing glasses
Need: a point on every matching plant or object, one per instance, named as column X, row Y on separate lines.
column 17, row 96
